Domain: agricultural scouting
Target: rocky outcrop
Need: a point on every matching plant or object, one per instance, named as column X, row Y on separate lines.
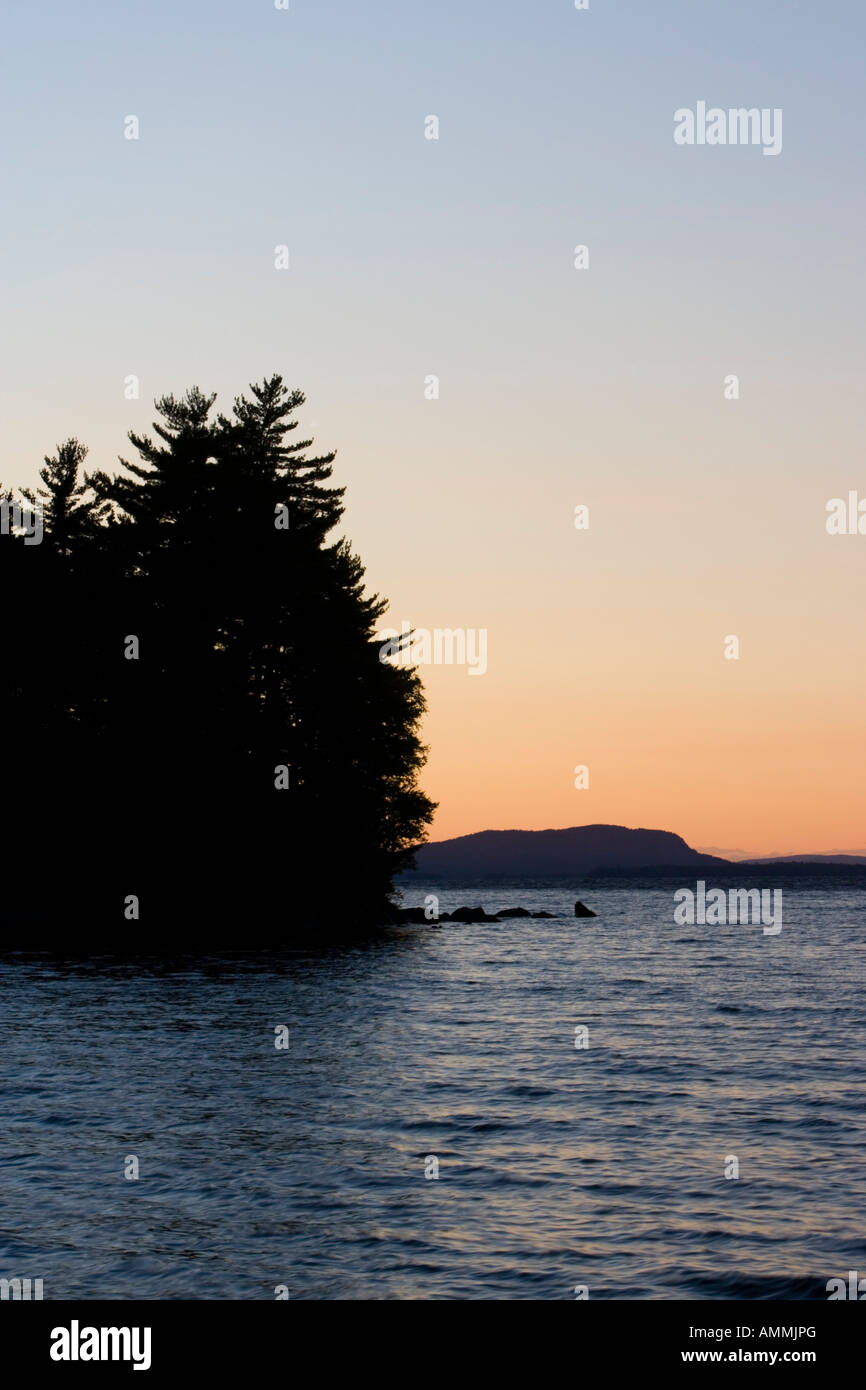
column 420, row 916
column 410, row 914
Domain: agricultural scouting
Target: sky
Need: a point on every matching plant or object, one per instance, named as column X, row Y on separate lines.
column 558, row 387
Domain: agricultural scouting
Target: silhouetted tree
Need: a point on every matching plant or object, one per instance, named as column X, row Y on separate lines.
column 68, row 514
column 223, row 637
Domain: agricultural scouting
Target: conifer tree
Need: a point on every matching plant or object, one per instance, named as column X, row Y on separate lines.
column 213, row 555
column 68, row 516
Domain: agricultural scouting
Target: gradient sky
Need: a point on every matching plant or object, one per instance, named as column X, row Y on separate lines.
column 558, row 387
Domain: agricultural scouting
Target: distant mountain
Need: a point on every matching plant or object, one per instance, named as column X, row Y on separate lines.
column 811, row 859
column 733, row 854
column 580, row 849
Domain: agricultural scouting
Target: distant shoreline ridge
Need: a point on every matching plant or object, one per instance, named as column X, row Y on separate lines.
column 588, row 849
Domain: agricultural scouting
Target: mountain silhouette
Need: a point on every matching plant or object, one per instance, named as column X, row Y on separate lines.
column 578, row 849
column 857, row 860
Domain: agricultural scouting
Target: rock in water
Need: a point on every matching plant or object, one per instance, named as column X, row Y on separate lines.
column 581, row 910
column 470, row 914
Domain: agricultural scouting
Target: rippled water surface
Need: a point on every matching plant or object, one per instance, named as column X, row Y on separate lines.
column 558, row 1166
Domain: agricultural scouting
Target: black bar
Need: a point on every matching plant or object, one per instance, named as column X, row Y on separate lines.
column 302, row 1338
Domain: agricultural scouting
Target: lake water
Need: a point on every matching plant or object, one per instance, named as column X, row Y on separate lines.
column 558, row 1166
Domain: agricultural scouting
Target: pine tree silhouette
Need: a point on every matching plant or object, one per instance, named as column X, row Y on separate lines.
column 223, row 741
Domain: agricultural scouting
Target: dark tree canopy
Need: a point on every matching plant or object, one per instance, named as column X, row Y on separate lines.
column 188, row 629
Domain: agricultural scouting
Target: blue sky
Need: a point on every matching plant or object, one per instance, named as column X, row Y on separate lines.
column 261, row 127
